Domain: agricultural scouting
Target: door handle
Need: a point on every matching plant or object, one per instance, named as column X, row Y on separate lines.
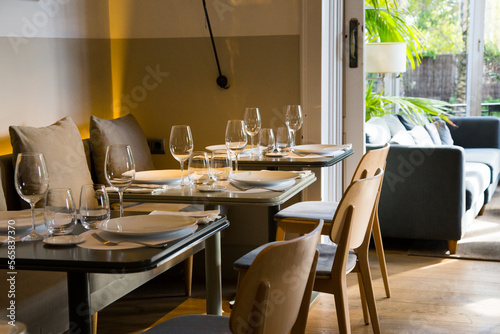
column 353, row 43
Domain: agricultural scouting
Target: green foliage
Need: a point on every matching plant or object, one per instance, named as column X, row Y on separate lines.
column 387, row 21
column 491, row 52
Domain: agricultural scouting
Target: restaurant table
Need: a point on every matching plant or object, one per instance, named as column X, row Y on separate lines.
column 190, row 195
column 79, row 262
column 293, row 162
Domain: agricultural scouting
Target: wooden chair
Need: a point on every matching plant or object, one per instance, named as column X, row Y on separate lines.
column 350, row 231
column 273, row 297
column 309, row 212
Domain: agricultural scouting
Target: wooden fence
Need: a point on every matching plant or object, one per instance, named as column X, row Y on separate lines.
column 437, row 78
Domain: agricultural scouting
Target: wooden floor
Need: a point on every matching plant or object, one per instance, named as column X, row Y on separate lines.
column 429, row 295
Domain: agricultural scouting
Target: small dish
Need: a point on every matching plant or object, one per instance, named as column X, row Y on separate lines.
column 64, row 240
column 211, row 188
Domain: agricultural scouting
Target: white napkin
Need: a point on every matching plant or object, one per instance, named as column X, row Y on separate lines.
column 309, row 156
column 256, row 189
column 141, row 189
column 201, row 216
column 92, row 243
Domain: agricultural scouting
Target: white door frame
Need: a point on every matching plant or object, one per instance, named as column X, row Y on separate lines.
column 475, row 60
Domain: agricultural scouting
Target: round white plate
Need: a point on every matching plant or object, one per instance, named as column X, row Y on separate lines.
column 22, row 220
column 64, row 240
column 146, row 224
column 263, row 178
column 276, row 155
column 224, row 147
column 317, row 149
column 160, row 176
column 211, row 188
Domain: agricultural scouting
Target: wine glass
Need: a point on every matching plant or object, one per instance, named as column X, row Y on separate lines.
column 293, row 120
column 252, row 124
column 31, row 180
column 94, row 205
column 181, row 145
column 60, row 211
column 236, row 138
column 266, row 140
column 119, row 169
column 282, row 139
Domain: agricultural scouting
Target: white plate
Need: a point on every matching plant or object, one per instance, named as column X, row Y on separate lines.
column 224, row 147
column 317, row 149
column 64, row 240
column 263, row 178
column 160, row 176
column 146, row 224
column 211, row 188
column 22, row 219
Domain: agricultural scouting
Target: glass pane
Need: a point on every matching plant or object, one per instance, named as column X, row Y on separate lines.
column 491, row 78
column 442, row 75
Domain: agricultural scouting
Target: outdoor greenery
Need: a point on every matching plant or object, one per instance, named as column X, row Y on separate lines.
column 387, row 21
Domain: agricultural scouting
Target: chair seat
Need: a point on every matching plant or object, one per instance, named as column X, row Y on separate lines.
column 193, row 324
column 313, row 210
column 327, row 255
column 325, row 261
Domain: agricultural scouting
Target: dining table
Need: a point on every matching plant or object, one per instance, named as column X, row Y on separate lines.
column 79, row 262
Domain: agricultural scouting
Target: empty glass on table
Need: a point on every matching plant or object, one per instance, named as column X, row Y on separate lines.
column 293, row 120
column 119, row 169
column 282, row 139
column 236, row 138
column 94, row 205
column 199, row 168
column 181, row 145
column 253, row 124
column 31, row 180
column 60, row 211
column 266, row 141
column 221, row 165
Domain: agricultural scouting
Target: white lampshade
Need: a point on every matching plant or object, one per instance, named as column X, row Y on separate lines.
column 385, row 57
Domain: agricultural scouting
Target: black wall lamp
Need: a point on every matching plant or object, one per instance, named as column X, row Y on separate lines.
column 222, row 81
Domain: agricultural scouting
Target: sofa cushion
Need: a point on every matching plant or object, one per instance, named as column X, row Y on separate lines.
column 444, row 132
column 488, row 156
column 433, row 133
column 421, row 136
column 411, row 121
column 402, row 138
column 376, row 134
column 62, row 147
column 477, row 180
column 393, row 123
column 123, row 130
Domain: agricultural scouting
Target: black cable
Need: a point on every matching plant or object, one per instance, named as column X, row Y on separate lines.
column 221, row 80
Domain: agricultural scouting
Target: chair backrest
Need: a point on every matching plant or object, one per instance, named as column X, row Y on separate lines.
column 270, row 296
column 356, row 207
column 370, row 162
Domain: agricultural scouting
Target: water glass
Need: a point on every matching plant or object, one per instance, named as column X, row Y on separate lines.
column 199, row 168
column 221, row 165
column 282, row 139
column 266, row 141
column 60, row 211
column 94, row 205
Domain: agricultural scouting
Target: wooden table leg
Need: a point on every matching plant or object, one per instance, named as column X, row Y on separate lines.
column 272, row 226
column 79, row 303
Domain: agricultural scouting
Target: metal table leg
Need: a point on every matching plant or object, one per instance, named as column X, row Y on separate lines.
column 213, row 275
column 272, row 226
column 79, row 303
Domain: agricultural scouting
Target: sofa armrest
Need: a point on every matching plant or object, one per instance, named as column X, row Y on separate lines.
column 476, row 132
column 423, row 194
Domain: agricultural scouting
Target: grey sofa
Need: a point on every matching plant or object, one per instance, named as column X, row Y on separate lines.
column 435, row 186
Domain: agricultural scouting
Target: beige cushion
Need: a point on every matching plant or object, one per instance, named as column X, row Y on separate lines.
column 123, row 130
column 62, row 147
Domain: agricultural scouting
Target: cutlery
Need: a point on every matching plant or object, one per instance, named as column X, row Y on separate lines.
column 248, row 188
column 114, row 243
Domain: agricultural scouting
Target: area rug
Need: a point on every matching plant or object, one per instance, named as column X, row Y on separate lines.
column 480, row 242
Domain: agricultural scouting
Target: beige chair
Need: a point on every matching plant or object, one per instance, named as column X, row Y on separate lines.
column 310, row 212
column 350, row 231
column 272, row 298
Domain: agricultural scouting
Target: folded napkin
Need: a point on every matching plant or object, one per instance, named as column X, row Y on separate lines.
column 335, row 153
column 233, row 187
column 92, row 243
column 141, row 188
column 201, row 216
